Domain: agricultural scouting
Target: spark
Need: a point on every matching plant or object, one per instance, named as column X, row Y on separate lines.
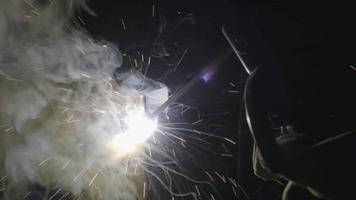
column 232, row 84
column 232, row 181
column 214, row 114
column 225, row 148
column 235, row 193
column 81, row 20
column 196, row 187
column 135, row 170
column 79, row 174
column 226, row 155
column 180, row 60
column 229, row 140
column 233, row 91
column 212, row 197
column 66, row 164
column 36, row 116
column 216, row 125
column 207, row 173
column 71, row 120
column 126, row 168
column 3, row 178
column 243, row 191
column 13, row 79
column 222, row 177
column 182, row 143
column 153, row 10
column 172, row 135
column 236, row 184
column 92, row 180
column 185, row 109
column 99, row 190
column 64, row 195
column 65, row 110
column 146, row 70
column 149, row 150
column 31, row 5
column 144, row 190
column 86, row 75
column 166, row 187
column 123, row 24
column 55, row 193
column 352, row 67
column 154, row 139
column 99, row 111
column 197, row 122
column 198, row 132
column 80, row 49
column 174, row 153
column 8, row 130
column 36, row 12
column 65, row 89
column 130, row 61
column 149, row 61
column 44, row 161
column 26, row 195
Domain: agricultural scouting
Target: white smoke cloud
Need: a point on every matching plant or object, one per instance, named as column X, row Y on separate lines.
column 59, row 105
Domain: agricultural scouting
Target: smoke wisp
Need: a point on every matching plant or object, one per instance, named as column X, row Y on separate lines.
column 60, row 106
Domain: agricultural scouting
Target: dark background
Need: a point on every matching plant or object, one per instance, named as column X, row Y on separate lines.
column 314, row 45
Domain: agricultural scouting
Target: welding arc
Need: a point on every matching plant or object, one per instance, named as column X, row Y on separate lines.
column 211, row 67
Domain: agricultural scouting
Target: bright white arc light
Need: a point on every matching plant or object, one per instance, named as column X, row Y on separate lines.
column 138, row 129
